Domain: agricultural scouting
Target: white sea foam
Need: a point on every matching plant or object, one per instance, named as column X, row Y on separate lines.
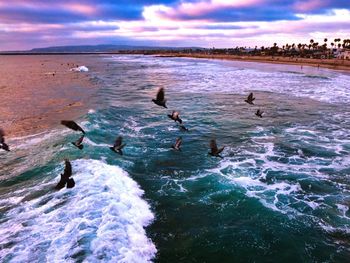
column 102, row 219
column 211, row 77
column 80, row 69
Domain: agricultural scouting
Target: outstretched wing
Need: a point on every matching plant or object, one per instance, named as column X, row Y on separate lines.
column 67, row 169
column 72, row 125
column 118, row 142
column 80, row 140
column 220, row 150
column 178, row 142
column 2, row 134
column 160, row 94
column 213, row 146
column 250, row 97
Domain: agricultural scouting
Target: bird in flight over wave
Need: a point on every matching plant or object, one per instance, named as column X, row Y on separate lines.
column 160, row 100
column 3, row 145
column 175, row 116
column 250, row 99
column 118, row 145
column 79, row 143
column 259, row 113
column 65, row 177
column 72, row 125
column 214, row 150
column 177, row 144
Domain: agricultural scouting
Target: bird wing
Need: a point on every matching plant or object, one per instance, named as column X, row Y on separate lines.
column 67, row 169
column 160, row 94
column 178, row 142
column 118, row 142
column 80, row 140
column 213, row 145
column 72, row 125
column 220, row 150
column 2, row 134
column 250, row 96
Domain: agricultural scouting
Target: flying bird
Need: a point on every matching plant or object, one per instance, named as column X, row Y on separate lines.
column 65, row 177
column 250, row 99
column 175, row 116
column 3, row 145
column 214, row 150
column 79, row 143
column 177, row 144
column 118, row 146
column 72, row 125
column 160, row 100
column 259, row 113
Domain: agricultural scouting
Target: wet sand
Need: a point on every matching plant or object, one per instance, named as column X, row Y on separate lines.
column 38, row 91
column 336, row 64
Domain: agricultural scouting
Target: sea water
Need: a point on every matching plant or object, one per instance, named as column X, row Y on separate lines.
column 279, row 194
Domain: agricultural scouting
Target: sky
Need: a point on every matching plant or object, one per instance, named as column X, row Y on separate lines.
column 26, row 24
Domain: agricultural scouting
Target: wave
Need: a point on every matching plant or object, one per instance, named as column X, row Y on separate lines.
column 101, row 219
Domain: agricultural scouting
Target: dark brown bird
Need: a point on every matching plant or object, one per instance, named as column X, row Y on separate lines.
column 65, row 177
column 177, row 144
column 259, row 113
column 72, row 125
column 175, row 116
column 160, row 100
column 214, row 150
column 250, row 99
column 118, row 146
column 3, row 145
column 79, row 143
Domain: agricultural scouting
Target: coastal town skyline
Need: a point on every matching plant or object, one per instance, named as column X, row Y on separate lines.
column 215, row 23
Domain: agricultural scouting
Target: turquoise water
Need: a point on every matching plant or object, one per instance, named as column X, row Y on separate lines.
column 280, row 194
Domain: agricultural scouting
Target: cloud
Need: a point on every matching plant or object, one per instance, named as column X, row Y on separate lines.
column 31, row 23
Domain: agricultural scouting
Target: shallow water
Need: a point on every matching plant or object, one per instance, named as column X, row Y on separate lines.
column 280, row 194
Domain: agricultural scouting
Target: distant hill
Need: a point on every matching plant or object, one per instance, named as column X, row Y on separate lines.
column 101, row 48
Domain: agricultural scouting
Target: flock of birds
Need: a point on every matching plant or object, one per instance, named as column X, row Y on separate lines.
column 67, row 181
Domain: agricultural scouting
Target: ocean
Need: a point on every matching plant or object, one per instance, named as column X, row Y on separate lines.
column 281, row 192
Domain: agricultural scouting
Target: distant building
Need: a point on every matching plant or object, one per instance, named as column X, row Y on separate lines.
column 343, row 54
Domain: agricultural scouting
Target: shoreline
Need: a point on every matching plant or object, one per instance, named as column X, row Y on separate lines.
column 334, row 64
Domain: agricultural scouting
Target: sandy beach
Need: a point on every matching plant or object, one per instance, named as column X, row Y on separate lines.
column 38, row 91
column 335, row 64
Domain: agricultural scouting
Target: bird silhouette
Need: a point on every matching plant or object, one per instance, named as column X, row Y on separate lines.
column 72, row 125
column 3, row 145
column 160, row 100
column 250, row 99
column 175, row 116
column 79, row 143
column 177, row 144
column 65, row 177
column 118, row 145
column 259, row 113
column 214, row 150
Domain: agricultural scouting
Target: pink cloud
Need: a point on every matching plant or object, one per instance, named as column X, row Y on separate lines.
column 196, row 8
column 309, row 5
column 80, row 8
